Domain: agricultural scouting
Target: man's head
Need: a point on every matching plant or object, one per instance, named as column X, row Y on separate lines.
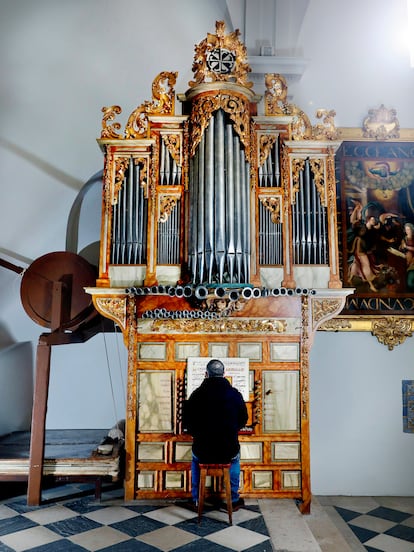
column 215, row 368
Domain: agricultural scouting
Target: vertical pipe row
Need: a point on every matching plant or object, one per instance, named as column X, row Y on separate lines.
column 309, row 222
column 129, row 220
column 219, row 206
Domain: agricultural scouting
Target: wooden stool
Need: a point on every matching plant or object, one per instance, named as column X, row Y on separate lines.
column 221, row 470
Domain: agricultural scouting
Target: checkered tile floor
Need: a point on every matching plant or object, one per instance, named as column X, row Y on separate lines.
column 70, row 520
column 382, row 528
column 81, row 523
column 380, row 524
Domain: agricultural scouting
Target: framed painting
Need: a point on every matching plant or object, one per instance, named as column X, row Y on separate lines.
column 375, row 208
column 377, row 225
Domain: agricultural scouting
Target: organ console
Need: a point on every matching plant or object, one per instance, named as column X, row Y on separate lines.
column 219, row 239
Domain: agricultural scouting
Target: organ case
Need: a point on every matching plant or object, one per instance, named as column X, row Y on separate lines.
column 219, row 239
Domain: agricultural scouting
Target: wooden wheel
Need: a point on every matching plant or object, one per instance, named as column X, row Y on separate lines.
column 58, row 277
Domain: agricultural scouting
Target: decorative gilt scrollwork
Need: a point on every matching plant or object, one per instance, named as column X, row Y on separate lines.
column 113, row 308
column 163, row 94
column 275, row 95
column 110, row 131
column 257, row 410
column 132, row 354
column 107, row 177
column 235, row 105
column 381, row 124
column 173, row 143
column 144, row 173
column 324, row 308
column 304, row 355
column 276, row 104
column 335, row 325
column 226, row 325
column 297, row 166
column 318, row 172
column 330, row 176
column 266, row 143
column 167, row 204
column 272, row 204
column 301, row 126
column 392, row 330
column 121, row 165
column 327, row 130
column 221, row 57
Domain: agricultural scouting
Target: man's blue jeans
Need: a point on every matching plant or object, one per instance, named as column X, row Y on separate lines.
column 234, row 477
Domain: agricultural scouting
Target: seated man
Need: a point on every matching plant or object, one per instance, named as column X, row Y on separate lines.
column 213, row 415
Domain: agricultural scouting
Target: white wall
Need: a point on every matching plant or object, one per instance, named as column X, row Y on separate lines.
column 358, row 446
column 61, row 62
column 16, row 388
column 88, row 383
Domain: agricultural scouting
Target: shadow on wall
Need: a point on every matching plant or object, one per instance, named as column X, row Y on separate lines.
column 16, row 390
column 83, row 228
column 6, row 339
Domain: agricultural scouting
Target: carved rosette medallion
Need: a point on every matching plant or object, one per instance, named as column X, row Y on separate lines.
column 227, row 325
column 221, row 58
column 113, row 308
column 392, row 330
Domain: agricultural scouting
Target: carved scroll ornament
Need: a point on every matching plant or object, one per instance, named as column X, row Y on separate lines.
column 392, row 330
column 163, row 102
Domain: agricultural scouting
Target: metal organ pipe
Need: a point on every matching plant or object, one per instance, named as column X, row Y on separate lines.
column 230, row 214
column 209, row 201
column 219, row 195
column 199, row 207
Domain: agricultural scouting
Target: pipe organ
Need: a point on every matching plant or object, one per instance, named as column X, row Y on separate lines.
column 219, row 239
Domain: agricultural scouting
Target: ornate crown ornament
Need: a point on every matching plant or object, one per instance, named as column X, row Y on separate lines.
column 221, row 58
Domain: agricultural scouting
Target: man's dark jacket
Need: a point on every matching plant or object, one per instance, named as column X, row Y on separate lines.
column 213, row 415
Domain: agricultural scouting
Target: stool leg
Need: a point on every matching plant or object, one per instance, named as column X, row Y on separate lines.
column 226, row 477
column 201, row 491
